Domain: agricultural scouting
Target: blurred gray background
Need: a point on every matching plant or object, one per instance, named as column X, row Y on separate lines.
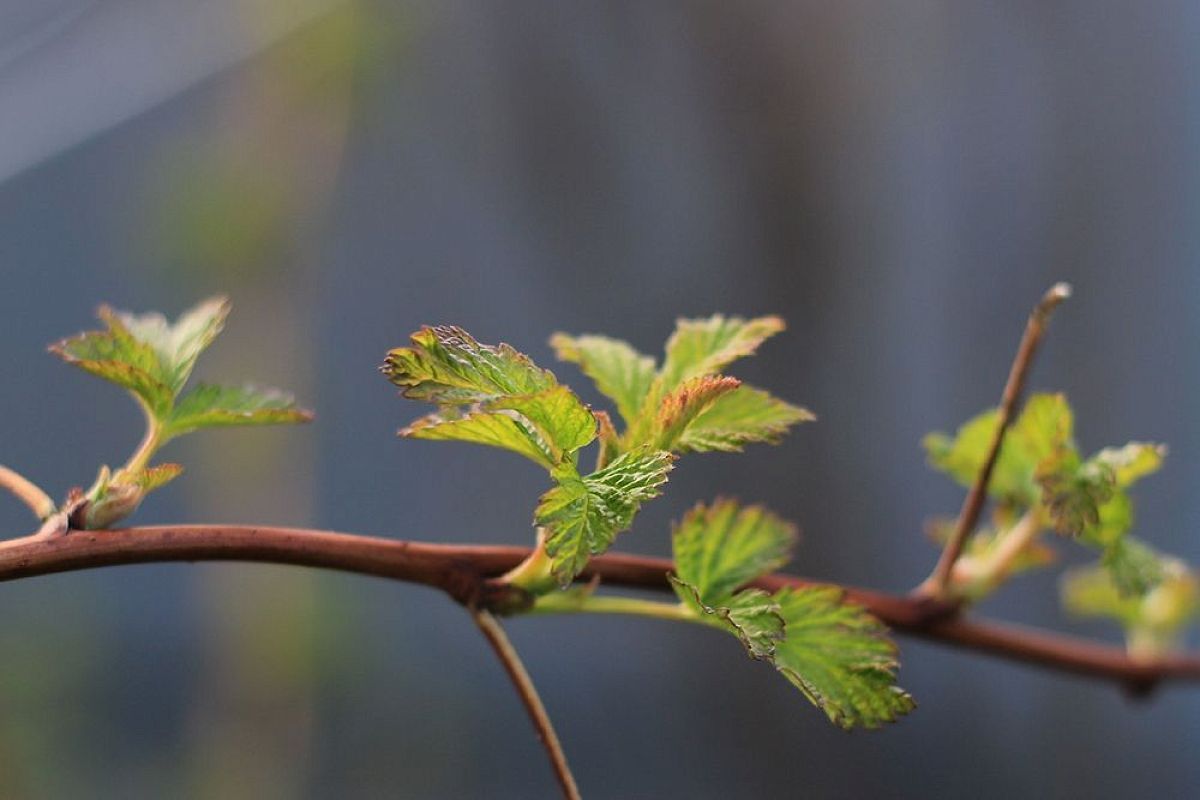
column 900, row 180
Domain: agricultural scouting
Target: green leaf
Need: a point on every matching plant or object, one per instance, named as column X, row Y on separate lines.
column 212, row 406
column 741, row 417
column 1086, row 499
column 582, row 516
column 117, row 357
column 1044, row 426
column 558, row 417
column 610, row 440
column 447, row 366
column 960, row 456
column 840, row 658
column 1132, row 462
column 490, row 395
column 1074, row 491
column 836, row 653
column 751, row 615
column 177, row 345
column 620, row 373
column 1153, row 621
column 547, row 427
column 1090, row 592
column 720, row 548
column 494, row 430
column 1114, row 520
column 683, row 404
column 1133, row 566
column 145, row 353
column 705, row 346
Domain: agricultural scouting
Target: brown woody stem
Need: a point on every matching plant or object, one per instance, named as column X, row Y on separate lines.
column 466, row 572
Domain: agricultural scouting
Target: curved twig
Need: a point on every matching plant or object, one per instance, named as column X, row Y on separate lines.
column 507, row 655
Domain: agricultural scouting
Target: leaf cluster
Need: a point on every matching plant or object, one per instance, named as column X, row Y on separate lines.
column 497, row 396
column 834, row 652
column 153, row 359
column 1041, row 480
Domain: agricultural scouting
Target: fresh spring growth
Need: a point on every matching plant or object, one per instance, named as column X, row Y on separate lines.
column 1042, row 482
column 834, row 652
column 1155, row 621
column 838, row 655
column 497, row 396
column 153, row 359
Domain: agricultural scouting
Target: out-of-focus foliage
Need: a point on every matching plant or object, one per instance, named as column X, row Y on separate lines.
column 1040, row 482
column 1154, row 620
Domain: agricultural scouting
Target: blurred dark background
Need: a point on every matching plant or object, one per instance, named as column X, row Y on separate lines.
column 899, row 180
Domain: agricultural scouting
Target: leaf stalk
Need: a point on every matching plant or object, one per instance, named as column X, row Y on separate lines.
column 994, row 568
column 151, row 441
column 535, row 573
column 587, row 603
